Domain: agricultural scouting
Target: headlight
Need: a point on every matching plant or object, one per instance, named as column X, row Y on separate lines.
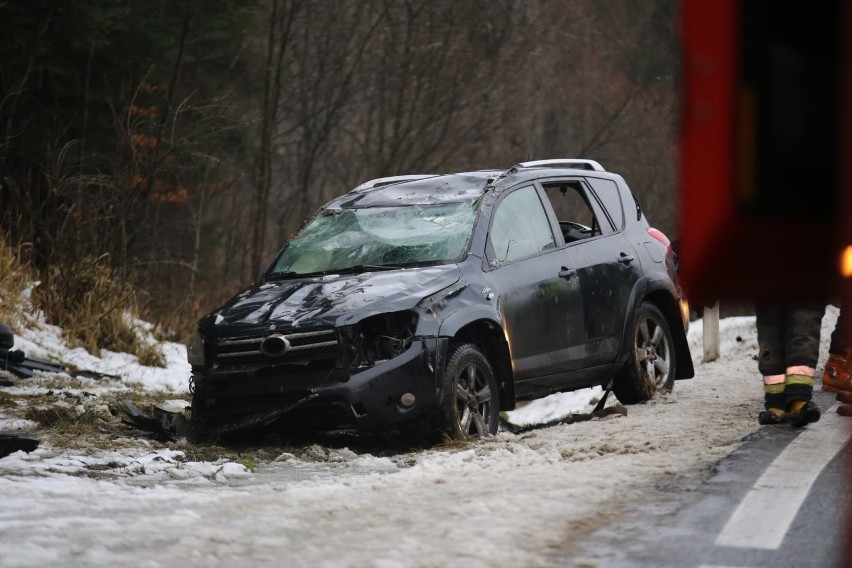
column 195, row 350
column 382, row 337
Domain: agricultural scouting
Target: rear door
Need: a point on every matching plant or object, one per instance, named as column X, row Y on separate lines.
column 607, row 265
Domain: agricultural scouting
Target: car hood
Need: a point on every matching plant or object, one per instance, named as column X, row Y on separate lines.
column 325, row 301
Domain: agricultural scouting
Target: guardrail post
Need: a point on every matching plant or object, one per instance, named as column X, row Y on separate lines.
column 711, row 332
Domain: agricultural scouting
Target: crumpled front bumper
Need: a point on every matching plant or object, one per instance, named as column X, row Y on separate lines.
column 310, row 397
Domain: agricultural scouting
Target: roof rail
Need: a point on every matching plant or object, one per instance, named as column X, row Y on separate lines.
column 564, row 163
column 378, row 182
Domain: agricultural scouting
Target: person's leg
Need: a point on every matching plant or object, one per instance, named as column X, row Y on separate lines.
column 838, row 336
column 771, row 362
column 801, row 349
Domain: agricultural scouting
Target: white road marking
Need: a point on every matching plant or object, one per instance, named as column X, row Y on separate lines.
column 768, row 509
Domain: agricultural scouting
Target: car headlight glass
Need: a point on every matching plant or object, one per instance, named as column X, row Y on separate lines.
column 195, row 350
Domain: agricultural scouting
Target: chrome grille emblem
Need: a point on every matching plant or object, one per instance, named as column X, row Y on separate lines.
column 275, row 345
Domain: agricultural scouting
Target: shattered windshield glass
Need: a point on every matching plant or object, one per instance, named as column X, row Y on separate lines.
column 379, row 237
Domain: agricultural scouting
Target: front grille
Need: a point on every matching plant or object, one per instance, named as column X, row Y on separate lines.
column 308, row 345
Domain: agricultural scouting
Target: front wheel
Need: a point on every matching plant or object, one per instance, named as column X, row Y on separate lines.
column 651, row 367
column 470, row 405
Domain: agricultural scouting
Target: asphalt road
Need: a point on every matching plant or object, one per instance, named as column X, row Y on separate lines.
column 780, row 500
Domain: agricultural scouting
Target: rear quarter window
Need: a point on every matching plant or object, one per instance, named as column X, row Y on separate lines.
column 610, row 197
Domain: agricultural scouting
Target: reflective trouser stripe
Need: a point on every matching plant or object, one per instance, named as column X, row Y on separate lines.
column 801, row 370
column 798, row 387
column 799, row 380
column 773, row 379
column 773, row 384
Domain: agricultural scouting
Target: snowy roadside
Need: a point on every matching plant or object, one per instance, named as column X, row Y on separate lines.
column 512, row 500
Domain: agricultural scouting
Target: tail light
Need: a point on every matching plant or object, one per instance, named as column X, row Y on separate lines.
column 672, row 256
column 659, row 236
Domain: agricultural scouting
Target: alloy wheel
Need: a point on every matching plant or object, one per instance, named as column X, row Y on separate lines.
column 473, row 401
column 653, row 352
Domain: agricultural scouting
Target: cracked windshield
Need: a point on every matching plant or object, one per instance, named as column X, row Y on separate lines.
column 379, row 237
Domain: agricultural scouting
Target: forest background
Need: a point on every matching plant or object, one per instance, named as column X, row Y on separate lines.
column 154, row 156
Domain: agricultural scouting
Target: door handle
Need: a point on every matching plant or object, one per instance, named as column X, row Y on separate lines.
column 567, row 273
column 625, row 259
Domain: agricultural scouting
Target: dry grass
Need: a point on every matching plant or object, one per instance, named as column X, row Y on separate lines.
column 83, row 424
column 7, row 400
column 75, row 421
column 95, row 308
column 58, row 415
column 15, row 277
column 150, row 355
column 91, row 304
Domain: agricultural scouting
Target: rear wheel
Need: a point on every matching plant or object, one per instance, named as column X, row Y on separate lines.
column 651, row 367
column 470, row 406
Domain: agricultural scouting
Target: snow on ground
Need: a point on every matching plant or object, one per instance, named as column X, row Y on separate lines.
column 44, row 341
column 511, row 500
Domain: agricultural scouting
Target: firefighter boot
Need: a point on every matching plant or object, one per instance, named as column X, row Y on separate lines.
column 798, row 390
column 773, row 401
column 772, row 416
column 838, row 374
column 803, row 412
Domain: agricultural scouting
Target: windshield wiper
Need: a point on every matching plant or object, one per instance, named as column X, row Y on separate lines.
column 288, row 275
column 365, row 268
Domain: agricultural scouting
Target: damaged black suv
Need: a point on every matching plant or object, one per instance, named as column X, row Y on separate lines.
column 436, row 301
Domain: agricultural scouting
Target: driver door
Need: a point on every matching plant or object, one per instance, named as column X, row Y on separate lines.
column 538, row 290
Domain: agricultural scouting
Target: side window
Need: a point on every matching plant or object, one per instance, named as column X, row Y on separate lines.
column 577, row 218
column 520, row 227
column 607, row 192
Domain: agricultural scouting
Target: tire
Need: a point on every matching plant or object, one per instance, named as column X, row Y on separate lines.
column 470, row 406
column 651, row 367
